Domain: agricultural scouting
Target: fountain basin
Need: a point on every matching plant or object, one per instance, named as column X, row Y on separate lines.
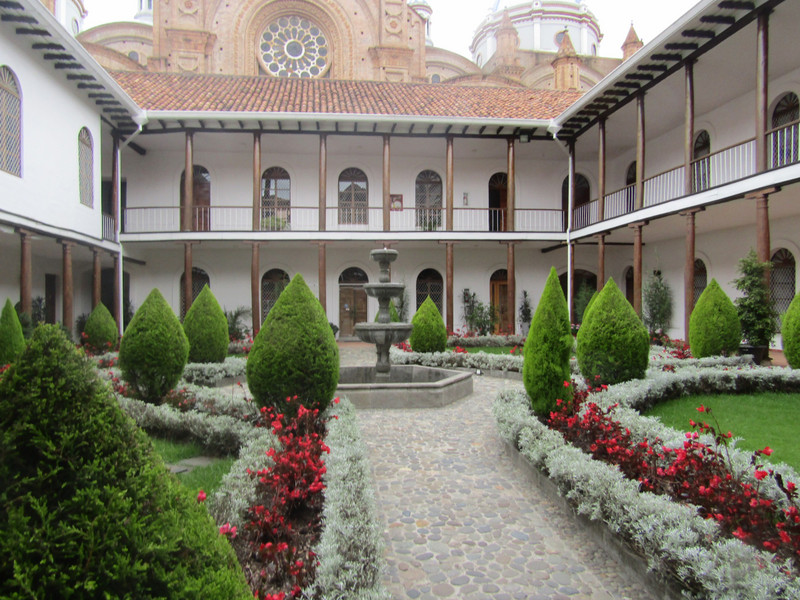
column 383, row 333
column 404, row 386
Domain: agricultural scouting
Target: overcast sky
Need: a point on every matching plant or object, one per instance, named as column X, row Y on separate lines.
column 454, row 21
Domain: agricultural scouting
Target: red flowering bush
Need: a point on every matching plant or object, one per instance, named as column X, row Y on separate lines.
column 275, row 545
column 459, row 350
column 404, row 346
column 695, row 473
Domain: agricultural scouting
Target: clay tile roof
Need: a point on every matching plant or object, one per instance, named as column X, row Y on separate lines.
column 232, row 93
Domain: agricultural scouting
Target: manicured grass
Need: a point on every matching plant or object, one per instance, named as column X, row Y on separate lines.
column 767, row 419
column 491, row 349
column 206, row 478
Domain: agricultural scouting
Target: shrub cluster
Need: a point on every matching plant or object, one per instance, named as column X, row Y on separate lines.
column 613, row 344
column 206, row 328
column 88, row 508
column 100, row 331
column 790, row 331
column 429, row 333
column 547, row 349
column 12, row 340
column 154, row 349
column 714, row 324
column 295, row 353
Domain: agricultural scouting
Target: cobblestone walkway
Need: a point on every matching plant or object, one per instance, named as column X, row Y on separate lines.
column 462, row 521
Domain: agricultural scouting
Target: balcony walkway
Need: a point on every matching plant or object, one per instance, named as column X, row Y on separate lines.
column 461, row 520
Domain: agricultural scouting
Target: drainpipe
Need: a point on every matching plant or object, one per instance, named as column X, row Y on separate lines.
column 140, row 120
column 554, row 128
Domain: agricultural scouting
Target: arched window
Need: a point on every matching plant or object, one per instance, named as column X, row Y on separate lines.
column 782, row 280
column 201, row 197
column 10, row 123
column 700, row 279
column 430, row 283
column 353, row 197
column 498, row 201
column 785, row 131
column 428, row 200
column 276, row 199
column 272, row 284
column 701, row 176
column 199, row 279
column 86, row 167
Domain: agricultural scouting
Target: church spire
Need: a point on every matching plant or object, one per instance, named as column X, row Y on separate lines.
column 631, row 45
column 507, row 41
column 567, row 65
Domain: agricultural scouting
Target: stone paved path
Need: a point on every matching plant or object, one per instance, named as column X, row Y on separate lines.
column 462, row 521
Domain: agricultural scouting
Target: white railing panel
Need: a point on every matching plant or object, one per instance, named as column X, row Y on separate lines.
column 539, row 220
column 152, row 220
column 782, row 146
column 664, row 187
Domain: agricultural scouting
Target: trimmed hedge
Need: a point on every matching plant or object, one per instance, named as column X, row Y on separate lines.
column 429, row 333
column 206, row 328
column 154, row 349
column 12, row 340
column 714, row 324
column 546, row 364
column 101, row 330
column 790, row 331
column 613, row 344
column 88, row 509
column 295, row 353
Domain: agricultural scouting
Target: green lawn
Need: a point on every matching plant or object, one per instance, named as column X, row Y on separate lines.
column 491, row 349
column 767, row 419
column 206, row 478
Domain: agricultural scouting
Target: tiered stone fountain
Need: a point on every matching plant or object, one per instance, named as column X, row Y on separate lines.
column 398, row 386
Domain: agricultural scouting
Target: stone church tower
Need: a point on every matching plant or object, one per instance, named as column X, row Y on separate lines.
column 567, row 65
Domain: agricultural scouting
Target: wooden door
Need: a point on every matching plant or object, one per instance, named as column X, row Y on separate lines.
column 352, row 309
column 499, row 299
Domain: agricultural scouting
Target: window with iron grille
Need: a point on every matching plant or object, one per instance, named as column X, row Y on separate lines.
column 428, row 200
column 782, row 281
column 276, row 199
column 700, row 279
column 86, row 167
column 273, row 283
column 430, row 283
column 353, row 197
column 701, row 163
column 10, row 123
column 199, row 279
column 785, row 130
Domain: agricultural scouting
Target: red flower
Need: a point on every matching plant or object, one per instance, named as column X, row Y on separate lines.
column 760, row 474
column 566, row 384
column 766, row 451
column 701, row 408
column 201, row 496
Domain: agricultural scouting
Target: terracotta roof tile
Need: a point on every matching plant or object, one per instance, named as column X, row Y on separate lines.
column 230, row 93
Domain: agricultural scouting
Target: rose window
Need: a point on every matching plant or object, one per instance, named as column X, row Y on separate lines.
column 294, row 47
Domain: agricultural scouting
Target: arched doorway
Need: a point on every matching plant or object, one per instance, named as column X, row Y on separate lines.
column 785, row 128
column 629, row 284
column 199, row 279
column 273, row 283
column 498, row 198
column 701, row 163
column 352, row 300
column 201, row 197
column 630, row 188
column 430, row 283
column 107, row 285
column 585, row 283
column 582, row 195
column 782, row 281
column 700, row 279
column 498, row 294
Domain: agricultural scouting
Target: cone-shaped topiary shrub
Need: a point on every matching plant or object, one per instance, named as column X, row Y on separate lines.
column 88, row 509
column 100, row 331
column 206, row 329
column 394, row 317
column 589, row 305
column 547, row 349
column 12, row 340
column 790, row 331
column 295, row 353
column 429, row 333
column 714, row 324
column 154, row 349
column 613, row 343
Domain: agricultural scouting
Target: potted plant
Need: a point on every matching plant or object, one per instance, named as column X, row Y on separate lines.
column 756, row 311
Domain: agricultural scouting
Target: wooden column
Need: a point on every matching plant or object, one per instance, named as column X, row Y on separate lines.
column 688, row 131
column 256, row 190
column 25, row 271
column 601, row 169
column 67, row 286
column 511, row 187
column 116, row 310
column 601, row 260
column 188, row 185
column 762, row 89
column 323, row 180
column 187, row 276
column 571, row 202
column 96, row 277
column 449, row 287
column 688, row 270
column 640, row 148
column 323, row 276
column 255, row 287
column 449, row 168
column 637, row 266
column 115, row 185
column 511, row 286
column 571, row 283
column 387, row 182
